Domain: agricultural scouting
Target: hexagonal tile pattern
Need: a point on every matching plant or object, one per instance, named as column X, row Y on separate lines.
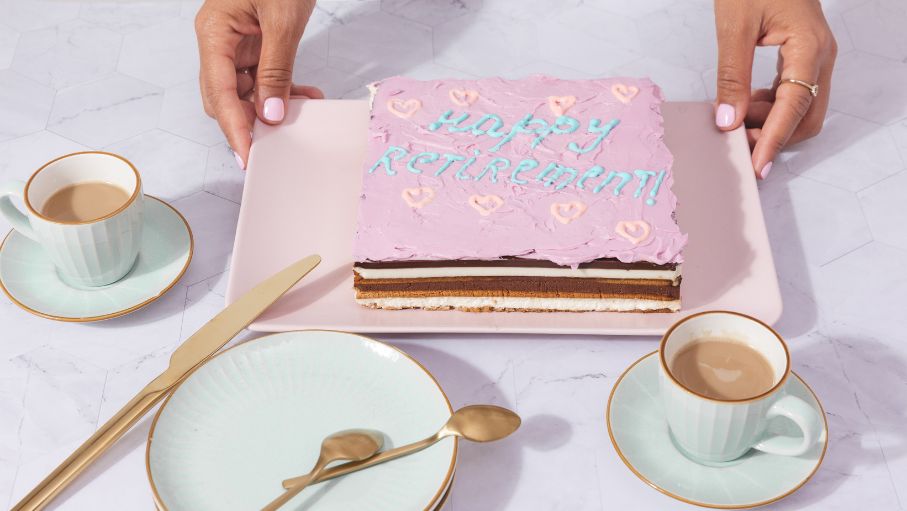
column 159, row 55
column 407, row 44
column 886, row 210
column 182, row 113
column 610, row 27
column 100, row 113
column 33, row 14
column 544, row 67
column 677, row 83
column 164, row 172
column 21, row 156
column 857, row 153
column 68, row 54
column 8, row 40
column 872, row 99
column 24, row 104
column 878, row 27
column 126, row 17
column 223, row 177
column 481, row 46
column 595, row 60
column 899, row 133
column 430, row 12
column 683, row 34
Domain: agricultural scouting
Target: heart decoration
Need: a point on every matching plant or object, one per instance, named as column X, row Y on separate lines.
column 624, row 93
column 485, row 204
column 403, row 109
column 463, row 97
column 418, row 197
column 633, row 231
column 566, row 212
column 560, row 104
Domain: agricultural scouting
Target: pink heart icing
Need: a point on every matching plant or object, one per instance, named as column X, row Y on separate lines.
column 560, row 104
column 624, row 93
column 628, row 230
column 485, row 204
column 403, row 109
column 463, row 97
column 410, row 196
column 566, row 212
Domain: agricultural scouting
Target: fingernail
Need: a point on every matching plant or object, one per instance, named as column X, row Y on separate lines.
column 273, row 109
column 765, row 170
column 239, row 160
column 725, row 115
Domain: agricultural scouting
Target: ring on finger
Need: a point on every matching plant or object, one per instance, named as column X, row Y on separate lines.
column 813, row 88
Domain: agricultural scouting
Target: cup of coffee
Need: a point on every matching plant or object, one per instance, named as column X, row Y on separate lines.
column 722, row 379
column 86, row 211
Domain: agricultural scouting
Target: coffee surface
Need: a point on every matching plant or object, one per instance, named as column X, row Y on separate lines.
column 721, row 368
column 83, row 202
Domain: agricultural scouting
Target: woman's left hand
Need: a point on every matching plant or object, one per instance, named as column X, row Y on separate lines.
column 787, row 112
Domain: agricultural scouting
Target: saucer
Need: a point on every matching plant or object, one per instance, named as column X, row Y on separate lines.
column 640, row 435
column 256, row 414
column 30, row 280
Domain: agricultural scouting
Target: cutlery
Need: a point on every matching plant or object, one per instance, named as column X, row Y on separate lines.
column 354, row 445
column 192, row 353
column 477, row 423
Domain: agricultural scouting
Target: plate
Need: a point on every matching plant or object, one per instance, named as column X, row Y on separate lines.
column 301, row 194
column 256, row 414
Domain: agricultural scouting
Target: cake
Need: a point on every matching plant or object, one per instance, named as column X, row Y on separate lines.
column 537, row 194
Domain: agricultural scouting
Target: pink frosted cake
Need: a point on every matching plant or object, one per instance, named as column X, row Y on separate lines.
column 520, row 195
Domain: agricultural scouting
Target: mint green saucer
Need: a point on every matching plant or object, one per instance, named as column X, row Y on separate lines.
column 30, row 280
column 640, row 436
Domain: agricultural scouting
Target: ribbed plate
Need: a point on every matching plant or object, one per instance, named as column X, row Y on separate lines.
column 256, row 415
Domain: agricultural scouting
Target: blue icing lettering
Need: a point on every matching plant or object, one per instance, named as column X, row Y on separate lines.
column 494, row 166
column 562, row 126
column 493, row 131
column 448, row 161
column 385, row 159
column 453, row 123
column 643, row 176
column 595, row 171
column 524, row 166
column 625, row 178
column 559, row 170
column 594, row 127
column 519, row 127
column 462, row 174
column 421, row 158
column 651, row 200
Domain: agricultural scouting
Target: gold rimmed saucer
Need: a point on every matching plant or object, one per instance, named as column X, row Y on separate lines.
column 29, row 279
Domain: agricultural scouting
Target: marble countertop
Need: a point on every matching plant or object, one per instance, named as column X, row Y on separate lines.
column 122, row 76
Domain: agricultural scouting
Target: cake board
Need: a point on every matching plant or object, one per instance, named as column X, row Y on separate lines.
column 301, row 194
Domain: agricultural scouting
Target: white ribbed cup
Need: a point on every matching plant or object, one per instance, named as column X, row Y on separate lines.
column 712, row 430
column 86, row 254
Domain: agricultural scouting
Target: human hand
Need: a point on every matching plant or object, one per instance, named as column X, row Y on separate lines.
column 247, row 48
column 786, row 113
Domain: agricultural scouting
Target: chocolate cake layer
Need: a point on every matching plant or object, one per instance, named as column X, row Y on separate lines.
column 549, row 287
column 515, row 262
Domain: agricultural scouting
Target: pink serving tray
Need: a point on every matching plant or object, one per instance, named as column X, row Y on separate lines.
column 301, row 195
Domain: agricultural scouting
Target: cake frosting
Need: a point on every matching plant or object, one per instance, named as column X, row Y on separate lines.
column 566, row 171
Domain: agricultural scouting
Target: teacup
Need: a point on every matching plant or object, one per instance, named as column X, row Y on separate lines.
column 88, row 253
column 709, row 430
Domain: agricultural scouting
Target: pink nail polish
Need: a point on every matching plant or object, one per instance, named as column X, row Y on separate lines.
column 725, row 115
column 765, row 170
column 239, row 160
column 273, row 109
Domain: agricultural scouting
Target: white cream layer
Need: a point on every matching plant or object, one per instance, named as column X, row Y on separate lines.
column 522, row 303
column 514, row 271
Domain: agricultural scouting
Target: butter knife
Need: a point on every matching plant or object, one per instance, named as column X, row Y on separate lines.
column 193, row 352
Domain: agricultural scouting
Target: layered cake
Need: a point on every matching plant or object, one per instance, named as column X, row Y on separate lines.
column 537, row 194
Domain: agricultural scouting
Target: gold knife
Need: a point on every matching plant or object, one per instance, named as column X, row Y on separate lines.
column 192, row 353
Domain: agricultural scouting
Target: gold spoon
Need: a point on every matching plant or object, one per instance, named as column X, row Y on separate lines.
column 477, row 423
column 352, row 445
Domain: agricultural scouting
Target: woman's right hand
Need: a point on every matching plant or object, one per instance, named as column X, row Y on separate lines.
column 247, row 49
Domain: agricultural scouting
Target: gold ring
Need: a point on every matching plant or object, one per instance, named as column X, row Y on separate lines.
column 811, row 87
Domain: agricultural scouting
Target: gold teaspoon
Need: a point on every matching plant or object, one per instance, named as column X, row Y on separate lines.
column 353, row 445
column 477, row 423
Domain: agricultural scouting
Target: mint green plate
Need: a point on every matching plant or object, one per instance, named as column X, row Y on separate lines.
column 30, row 280
column 640, row 435
column 256, row 414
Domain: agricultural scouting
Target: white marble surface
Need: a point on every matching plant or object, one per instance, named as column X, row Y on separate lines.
column 122, row 76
